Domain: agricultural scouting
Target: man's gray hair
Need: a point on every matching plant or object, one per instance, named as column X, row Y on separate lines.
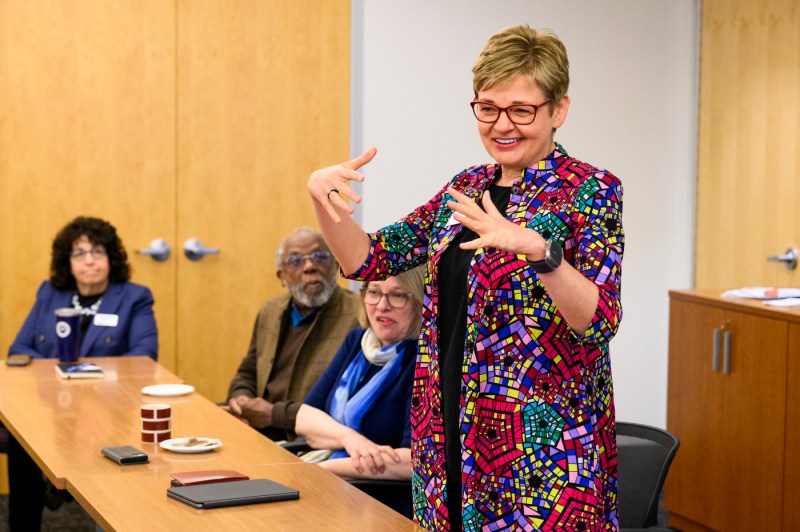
column 282, row 243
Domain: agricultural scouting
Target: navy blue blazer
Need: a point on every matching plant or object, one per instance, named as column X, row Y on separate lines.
column 388, row 422
column 134, row 334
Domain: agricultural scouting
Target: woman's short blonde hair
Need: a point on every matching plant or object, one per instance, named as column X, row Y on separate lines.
column 413, row 282
column 522, row 50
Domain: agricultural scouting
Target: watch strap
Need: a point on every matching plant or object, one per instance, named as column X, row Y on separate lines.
column 541, row 266
column 552, row 258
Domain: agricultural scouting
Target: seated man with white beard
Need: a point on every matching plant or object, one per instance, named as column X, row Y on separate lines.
column 295, row 336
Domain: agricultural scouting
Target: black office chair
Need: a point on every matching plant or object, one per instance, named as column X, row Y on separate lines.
column 644, row 455
column 4, row 435
column 396, row 494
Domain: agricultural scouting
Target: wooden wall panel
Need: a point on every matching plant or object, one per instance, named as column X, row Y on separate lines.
column 749, row 142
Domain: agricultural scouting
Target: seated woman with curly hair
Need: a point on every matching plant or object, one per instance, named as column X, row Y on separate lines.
column 89, row 271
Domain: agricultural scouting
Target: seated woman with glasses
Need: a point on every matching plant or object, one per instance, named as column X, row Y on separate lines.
column 89, row 271
column 359, row 410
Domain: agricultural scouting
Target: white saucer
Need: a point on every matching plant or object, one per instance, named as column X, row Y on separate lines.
column 176, row 445
column 167, row 390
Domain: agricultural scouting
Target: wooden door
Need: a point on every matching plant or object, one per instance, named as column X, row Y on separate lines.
column 263, row 92
column 749, row 442
column 748, row 157
column 791, row 488
column 87, row 118
column 694, row 411
column 87, row 126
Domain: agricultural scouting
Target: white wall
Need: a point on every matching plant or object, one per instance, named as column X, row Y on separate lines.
column 633, row 91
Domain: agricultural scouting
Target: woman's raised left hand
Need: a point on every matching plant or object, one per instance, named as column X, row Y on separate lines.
column 331, row 186
column 493, row 230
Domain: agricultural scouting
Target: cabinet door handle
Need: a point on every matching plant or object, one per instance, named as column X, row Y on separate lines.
column 726, row 353
column 715, row 351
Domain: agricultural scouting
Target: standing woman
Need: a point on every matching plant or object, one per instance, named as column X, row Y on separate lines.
column 89, row 271
column 512, row 407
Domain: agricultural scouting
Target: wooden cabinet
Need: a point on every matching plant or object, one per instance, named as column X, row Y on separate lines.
column 732, row 402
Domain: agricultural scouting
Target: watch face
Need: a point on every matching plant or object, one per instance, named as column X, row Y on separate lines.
column 553, row 254
column 552, row 258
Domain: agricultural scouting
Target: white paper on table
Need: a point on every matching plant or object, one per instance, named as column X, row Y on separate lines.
column 788, row 302
column 763, row 292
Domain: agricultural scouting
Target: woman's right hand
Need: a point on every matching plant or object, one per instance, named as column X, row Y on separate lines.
column 367, row 454
column 330, row 186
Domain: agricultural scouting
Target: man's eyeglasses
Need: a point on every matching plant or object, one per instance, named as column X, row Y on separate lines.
column 319, row 258
column 397, row 299
column 521, row 115
column 97, row 252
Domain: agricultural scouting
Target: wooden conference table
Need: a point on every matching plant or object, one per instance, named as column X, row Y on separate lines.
column 63, row 424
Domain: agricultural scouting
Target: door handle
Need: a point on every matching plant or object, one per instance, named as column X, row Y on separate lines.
column 726, row 352
column 715, row 351
column 789, row 258
column 159, row 250
column 195, row 250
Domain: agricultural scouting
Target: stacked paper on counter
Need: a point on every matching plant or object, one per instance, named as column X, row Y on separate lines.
column 764, row 292
column 788, row 302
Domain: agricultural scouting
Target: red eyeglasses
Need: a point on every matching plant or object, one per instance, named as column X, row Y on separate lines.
column 522, row 114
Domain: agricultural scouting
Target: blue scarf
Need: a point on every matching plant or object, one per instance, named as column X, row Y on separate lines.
column 349, row 408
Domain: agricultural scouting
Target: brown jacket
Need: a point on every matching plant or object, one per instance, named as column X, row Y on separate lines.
column 329, row 329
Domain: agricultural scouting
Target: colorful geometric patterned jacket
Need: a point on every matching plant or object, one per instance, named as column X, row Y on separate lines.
column 537, row 409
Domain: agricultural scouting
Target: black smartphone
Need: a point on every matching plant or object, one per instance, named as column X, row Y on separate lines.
column 18, row 360
column 125, row 455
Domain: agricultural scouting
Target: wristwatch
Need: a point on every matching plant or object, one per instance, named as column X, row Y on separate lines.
column 552, row 258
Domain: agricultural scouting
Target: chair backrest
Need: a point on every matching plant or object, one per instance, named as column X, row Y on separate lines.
column 644, row 455
column 3, row 439
column 396, row 494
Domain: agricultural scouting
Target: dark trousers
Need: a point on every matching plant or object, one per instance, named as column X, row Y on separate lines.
column 26, row 490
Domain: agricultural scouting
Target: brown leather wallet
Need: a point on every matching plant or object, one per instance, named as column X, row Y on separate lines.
column 192, row 478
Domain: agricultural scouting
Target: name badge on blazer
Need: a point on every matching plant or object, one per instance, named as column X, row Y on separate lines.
column 106, row 320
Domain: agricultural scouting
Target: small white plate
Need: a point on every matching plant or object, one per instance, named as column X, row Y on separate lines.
column 178, row 445
column 167, row 390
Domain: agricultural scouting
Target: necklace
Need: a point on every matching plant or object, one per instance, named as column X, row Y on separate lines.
column 91, row 311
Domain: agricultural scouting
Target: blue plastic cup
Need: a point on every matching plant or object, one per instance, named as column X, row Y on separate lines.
column 68, row 322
